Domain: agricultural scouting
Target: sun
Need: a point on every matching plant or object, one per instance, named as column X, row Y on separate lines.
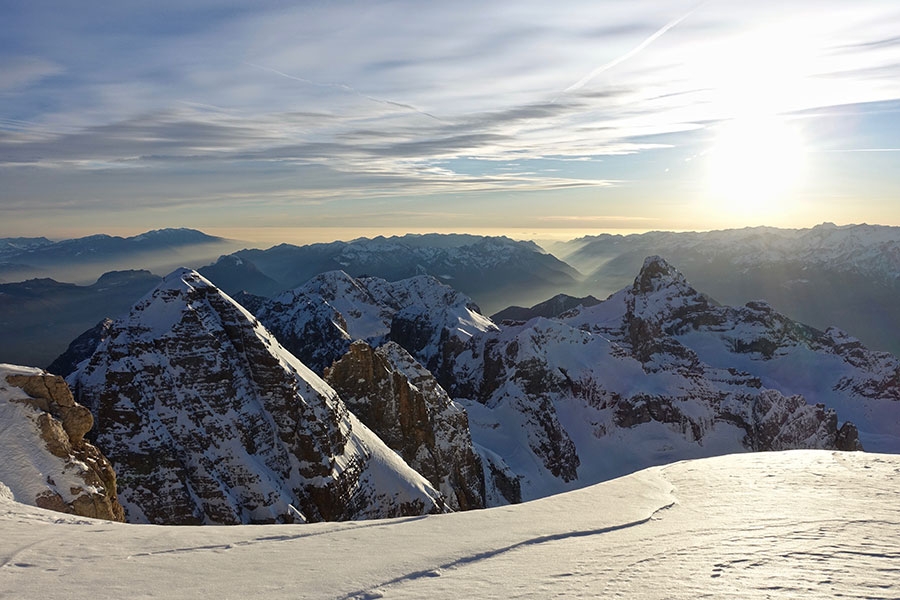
column 754, row 165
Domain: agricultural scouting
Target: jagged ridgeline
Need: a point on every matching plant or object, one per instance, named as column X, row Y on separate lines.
column 207, row 419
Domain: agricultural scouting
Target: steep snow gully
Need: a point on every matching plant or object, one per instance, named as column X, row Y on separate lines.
column 806, row 523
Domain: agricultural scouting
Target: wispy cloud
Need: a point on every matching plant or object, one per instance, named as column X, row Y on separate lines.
column 265, row 104
column 23, row 71
column 633, row 52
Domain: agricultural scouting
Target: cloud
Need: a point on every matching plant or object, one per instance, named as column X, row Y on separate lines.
column 633, row 52
column 267, row 103
column 23, row 71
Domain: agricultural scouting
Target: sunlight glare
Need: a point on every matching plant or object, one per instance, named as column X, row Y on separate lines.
column 754, row 165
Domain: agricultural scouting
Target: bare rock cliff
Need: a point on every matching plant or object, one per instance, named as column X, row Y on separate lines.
column 405, row 406
column 46, row 460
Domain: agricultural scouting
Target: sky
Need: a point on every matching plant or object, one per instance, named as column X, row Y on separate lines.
column 335, row 117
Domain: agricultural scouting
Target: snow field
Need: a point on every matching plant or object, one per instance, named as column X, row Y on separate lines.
column 768, row 525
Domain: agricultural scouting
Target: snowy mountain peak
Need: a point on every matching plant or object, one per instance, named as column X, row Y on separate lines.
column 209, row 420
column 656, row 275
column 184, row 280
column 318, row 320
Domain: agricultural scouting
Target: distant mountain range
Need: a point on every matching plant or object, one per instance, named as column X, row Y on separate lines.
column 848, row 276
column 493, row 270
column 845, row 276
column 79, row 259
column 486, row 414
column 39, row 317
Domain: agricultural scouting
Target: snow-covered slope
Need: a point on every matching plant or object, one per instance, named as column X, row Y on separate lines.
column 794, row 524
column 616, row 387
column 44, row 459
column 662, row 317
column 318, row 320
column 207, row 419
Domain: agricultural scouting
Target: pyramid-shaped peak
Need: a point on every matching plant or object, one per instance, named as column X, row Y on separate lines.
column 657, row 274
column 241, row 430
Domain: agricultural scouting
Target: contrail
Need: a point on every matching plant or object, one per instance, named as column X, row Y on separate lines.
column 346, row 88
column 617, row 61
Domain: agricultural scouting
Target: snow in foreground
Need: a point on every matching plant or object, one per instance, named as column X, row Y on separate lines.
column 805, row 523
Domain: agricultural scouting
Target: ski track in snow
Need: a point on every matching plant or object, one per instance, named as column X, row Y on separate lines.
column 769, row 525
column 469, row 560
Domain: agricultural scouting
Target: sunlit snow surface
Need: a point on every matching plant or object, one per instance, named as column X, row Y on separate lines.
column 806, row 523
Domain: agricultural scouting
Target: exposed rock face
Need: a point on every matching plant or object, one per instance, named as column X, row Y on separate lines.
column 402, row 402
column 656, row 373
column 47, row 461
column 318, row 320
column 209, row 420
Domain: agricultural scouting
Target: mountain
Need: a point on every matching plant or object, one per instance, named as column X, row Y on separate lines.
column 235, row 274
column 846, row 276
column 602, row 390
column 777, row 525
column 40, row 251
column 46, row 461
column 84, row 259
column 658, row 373
column 81, row 348
column 318, row 320
column 207, row 419
column 493, row 270
column 553, row 307
column 13, row 247
column 405, row 406
column 39, row 317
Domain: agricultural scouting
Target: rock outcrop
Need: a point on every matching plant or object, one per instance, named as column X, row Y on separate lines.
column 207, row 419
column 45, row 459
column 401, row 401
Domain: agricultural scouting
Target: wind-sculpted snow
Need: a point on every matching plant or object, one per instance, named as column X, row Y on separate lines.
column 207, row 419
column 811, row 524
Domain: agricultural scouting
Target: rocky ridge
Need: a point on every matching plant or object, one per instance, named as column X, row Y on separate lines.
column 207, row 419
column 404, row 405
column 318, row 320
column 49, row 464
column 615, row 387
